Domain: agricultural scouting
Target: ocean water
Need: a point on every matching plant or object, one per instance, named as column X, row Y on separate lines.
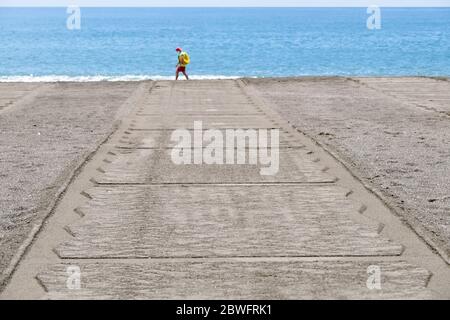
column 139, row 43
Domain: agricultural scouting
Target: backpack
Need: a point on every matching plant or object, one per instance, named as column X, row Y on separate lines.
column 185, row 58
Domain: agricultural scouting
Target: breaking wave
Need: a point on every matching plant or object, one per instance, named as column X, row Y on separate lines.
column 62, row 78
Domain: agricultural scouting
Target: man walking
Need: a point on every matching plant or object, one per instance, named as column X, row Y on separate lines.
column 183, row 61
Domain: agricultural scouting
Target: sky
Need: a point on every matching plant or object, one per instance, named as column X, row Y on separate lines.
column 228, row 3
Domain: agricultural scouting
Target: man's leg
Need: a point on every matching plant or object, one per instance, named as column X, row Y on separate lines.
column 177, row 72
column 185, row 74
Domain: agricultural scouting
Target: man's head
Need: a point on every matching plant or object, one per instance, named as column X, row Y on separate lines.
column 178, row 50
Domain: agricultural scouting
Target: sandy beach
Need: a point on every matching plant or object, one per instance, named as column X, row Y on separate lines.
column 47, row 131
column 391, row 135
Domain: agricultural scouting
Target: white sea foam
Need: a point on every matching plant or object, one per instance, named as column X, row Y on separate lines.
column 61, row 78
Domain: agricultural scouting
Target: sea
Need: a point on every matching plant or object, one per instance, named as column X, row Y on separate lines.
column 88, row 44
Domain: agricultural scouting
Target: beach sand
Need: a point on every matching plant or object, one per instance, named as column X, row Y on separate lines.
column 392, row 133
column 46, row 132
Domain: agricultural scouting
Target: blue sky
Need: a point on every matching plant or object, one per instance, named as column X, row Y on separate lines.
column 229, row 3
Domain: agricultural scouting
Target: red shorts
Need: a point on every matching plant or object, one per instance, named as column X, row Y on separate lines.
column 181, row 69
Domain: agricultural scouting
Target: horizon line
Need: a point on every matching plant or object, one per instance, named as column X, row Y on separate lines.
column 193, row 6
